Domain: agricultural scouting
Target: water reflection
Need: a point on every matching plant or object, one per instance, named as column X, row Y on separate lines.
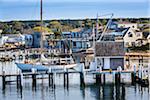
column 89, row 92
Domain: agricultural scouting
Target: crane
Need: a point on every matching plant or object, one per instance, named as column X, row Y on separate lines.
column 107, row 25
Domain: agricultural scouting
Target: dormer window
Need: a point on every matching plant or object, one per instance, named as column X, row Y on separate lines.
column 132, row 26
column 130, row 34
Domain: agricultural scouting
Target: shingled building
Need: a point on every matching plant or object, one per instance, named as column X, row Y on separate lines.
column 110, row 54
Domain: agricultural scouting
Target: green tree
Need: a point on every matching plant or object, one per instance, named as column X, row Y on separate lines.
column 55, row 25
column 88, row 23
column 43, row 29
column 18, row 26
column 104, row 22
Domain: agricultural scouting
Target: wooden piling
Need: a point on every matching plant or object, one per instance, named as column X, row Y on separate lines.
column 67, row 75
column 104, row 79
column 34, row 77
column 117, row 79
column 34, row 80
column 3, row 81
column 82, row 83
column 98, row 79
column 133, row 78
column 17, row 81
column 49, row 78
column 51, row 81
column 66, row 79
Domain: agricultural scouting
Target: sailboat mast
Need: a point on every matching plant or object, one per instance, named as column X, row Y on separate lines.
column 93, row 31
column 41, row 18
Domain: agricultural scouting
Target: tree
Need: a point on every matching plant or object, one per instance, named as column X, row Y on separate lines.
column 18, row 26
column 55, row 25
column 88, row 23
column 44, row 29
column 104, row 22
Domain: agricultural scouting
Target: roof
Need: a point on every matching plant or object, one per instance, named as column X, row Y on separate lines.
column 118, row 31
column 145, row 34
column 110, row 49
column 126, row 23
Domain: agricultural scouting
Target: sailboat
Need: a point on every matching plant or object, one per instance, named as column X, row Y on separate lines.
column 45, row 64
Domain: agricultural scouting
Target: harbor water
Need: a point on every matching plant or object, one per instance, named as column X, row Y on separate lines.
column 74, row 91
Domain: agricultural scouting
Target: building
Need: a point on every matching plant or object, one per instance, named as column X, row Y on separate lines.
column 1, row 32
column 37, row 39
column 28, row 40
column 127, row 25
column 14, row 40
column 110, row 54
column 130, row 37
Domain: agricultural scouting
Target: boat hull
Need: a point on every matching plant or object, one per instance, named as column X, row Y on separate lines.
column 28, row 67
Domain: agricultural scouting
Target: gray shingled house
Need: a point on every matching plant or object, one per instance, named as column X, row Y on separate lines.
column 110, row 54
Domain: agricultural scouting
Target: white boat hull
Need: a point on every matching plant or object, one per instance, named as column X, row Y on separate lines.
column 28, row 67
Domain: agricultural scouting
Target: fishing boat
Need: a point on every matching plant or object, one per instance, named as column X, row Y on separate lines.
column 44, row 64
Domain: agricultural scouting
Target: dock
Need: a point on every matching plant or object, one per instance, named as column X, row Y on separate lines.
column 100, row 76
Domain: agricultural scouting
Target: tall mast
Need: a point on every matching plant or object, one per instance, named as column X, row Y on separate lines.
column 97, row 26
column 93, row 31
column 41, row 18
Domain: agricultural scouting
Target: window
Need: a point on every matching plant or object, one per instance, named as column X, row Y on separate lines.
column 133, row 26
column 130, row 34
column 74, row 44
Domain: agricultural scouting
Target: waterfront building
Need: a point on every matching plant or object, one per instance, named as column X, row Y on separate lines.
column 109, row 54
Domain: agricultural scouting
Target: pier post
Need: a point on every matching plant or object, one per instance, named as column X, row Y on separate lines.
column 33, row 77
column 82, row 73
column 3, row 80
column 117, row 78
column 140, row 72
column 50, row 77
column 17, row 81
column 82, row 83
column 20, row 80
column 133, row 76
column 66, row 78
column 54, row 79
column 104, row 78
column 98, row 79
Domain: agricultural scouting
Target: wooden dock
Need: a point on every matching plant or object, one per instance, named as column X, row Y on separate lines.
column 100, row 76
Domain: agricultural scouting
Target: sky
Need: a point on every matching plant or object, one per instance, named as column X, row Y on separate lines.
column 69, row 9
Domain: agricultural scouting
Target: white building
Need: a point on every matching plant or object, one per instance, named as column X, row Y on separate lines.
column 25, row 39
column 1, row 31
column 3, row 40
column 131, row 36
column 128, row 24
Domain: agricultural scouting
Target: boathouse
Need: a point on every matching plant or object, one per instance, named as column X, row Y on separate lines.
column 109, row 55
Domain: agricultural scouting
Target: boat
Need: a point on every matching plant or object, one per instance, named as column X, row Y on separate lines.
column 44, row 64
column 27, row 67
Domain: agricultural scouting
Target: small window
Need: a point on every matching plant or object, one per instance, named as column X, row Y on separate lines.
column 130, row 34
column 38, row 35
column 132, row 26
column 74, row 44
